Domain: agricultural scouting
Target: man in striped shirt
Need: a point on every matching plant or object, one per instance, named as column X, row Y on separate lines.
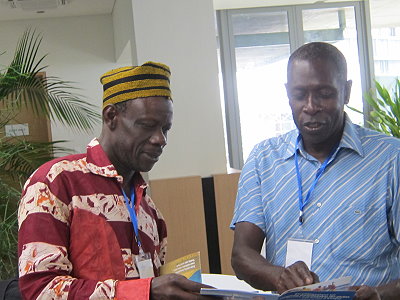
column 330, row 185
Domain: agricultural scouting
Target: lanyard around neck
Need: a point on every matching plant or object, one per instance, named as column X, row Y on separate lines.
column 130, row 205
column 320, row 171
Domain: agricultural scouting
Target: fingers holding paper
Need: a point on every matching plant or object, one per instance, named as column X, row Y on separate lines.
column 174, row 286
column 364, row 292
column 295, row 275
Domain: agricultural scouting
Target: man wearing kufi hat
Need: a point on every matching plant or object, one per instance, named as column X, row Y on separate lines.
column 87, row 228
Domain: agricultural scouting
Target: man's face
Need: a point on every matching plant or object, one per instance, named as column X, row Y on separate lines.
column 141, row 133
column 317, row 97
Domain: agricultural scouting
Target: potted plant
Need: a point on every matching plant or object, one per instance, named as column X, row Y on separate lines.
column 20, row 86
column 385, row 114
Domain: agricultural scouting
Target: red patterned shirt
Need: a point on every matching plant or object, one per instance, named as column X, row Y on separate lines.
column 76, row 239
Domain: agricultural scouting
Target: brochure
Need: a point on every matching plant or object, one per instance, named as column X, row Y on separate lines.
column 335, row 289
column 188, row 266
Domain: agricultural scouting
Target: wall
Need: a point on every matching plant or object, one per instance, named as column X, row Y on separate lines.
column 79, row 50
column 180, row 33
column 124, row 33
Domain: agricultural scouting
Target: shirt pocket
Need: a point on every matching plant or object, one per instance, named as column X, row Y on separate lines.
column 360, row 233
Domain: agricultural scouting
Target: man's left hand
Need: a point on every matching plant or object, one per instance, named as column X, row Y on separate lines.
column 365, row 292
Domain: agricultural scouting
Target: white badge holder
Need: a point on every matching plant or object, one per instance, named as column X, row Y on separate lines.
column 299, row 250
column 144, row 264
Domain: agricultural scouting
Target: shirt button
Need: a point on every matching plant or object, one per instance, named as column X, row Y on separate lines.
column 319, row 204
column 316, row 241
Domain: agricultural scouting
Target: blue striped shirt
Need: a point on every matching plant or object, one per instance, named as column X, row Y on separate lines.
column 353, row 214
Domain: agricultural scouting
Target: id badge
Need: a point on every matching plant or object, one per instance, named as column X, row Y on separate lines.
column 299, row 250
column 144, row 264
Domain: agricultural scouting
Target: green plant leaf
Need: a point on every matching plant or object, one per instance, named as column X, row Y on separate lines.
column 50, row 96
column 22, row 86
column 19, row 158
column 8, row 232
column 385, row 114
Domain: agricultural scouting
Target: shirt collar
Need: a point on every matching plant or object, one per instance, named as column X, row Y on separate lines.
column 98, row 163
column 291, row 144
column 350, row 140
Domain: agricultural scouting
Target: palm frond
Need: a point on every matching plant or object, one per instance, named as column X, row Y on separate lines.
column 20, row 158
column 21, row 85
column 8, row 238
column 8, row 230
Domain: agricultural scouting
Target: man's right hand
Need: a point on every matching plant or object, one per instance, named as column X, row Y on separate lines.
column 252, row 267
column 174, row 286
column 295, row 275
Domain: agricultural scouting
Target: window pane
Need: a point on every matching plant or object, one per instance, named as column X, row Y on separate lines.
column 386, row 45
column 337, row 26
column 261, row 50
column 260, row 39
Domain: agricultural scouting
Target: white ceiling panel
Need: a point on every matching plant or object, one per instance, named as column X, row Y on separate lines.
column 73, row 8
column 383, row 11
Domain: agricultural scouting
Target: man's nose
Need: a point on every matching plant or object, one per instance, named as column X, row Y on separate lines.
column 159, row 138
column 312, row 105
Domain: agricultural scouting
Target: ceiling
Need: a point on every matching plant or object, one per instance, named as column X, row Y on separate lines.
column 72, row 9
column 383, row 11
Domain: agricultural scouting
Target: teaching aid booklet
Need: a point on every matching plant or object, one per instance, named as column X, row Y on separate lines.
column 335, row 289
column 188, row 266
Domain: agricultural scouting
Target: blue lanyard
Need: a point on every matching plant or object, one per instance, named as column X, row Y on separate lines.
column 320, row 171
column 132, row 213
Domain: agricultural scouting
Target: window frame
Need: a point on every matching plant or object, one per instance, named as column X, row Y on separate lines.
column 296, row 39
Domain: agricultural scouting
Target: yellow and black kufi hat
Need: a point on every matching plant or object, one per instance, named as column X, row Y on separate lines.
column 127, row 83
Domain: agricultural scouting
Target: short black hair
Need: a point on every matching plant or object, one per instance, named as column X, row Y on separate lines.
column 321, row 51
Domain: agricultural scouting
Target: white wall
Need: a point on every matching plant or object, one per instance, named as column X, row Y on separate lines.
column 124, row 34
column 79, row 50
column 181, row 33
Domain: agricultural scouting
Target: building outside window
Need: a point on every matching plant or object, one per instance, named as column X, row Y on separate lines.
column 255, row 45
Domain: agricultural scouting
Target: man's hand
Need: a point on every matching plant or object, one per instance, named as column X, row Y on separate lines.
column 366, row 293
column 174, row 286
column 295, row 275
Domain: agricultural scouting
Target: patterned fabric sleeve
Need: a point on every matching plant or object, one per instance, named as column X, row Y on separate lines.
column 161, row 230
column 44, row 265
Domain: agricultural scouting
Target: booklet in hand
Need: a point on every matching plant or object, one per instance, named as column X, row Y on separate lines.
column 188, row 266
column 335, row 289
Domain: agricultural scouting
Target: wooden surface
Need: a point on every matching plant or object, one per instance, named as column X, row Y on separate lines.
column 180, row 200
column 39, row 126
column 225, row 186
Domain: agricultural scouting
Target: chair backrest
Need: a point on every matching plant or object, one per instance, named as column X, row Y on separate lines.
column 9, row 289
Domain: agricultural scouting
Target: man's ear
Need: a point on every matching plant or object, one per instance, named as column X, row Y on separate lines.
column 347, row 91
column 110, row 114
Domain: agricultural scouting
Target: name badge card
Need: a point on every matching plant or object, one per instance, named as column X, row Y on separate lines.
column 144, row 264
column 299, row 250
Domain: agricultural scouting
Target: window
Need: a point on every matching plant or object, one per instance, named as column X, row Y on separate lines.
column 255, row 45
column 386, row 45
